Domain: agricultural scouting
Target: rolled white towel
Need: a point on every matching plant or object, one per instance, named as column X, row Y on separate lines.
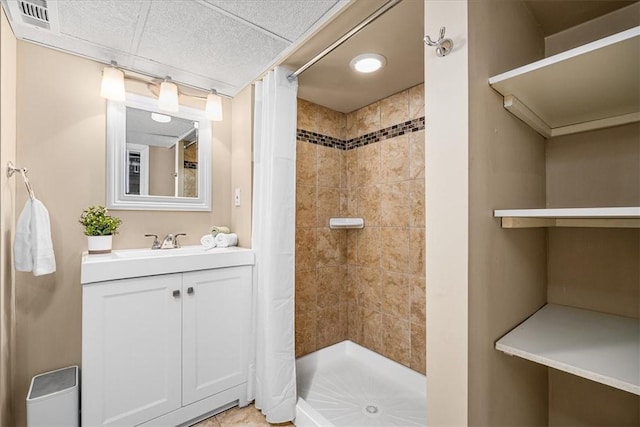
column 218, row 229
column 224, row 240
column 208, row 241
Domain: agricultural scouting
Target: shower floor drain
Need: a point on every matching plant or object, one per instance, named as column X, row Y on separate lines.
column 372, row 410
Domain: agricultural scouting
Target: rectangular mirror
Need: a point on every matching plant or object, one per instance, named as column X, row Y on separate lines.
column 155, row 160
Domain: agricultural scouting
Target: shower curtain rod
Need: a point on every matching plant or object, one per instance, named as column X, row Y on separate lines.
column 369, row 19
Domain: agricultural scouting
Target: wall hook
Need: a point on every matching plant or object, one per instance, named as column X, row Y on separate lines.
column 443, row 46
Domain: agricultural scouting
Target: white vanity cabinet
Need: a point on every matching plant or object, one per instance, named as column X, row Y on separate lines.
column 165, row 349
column 215, row 331
column 131, row 351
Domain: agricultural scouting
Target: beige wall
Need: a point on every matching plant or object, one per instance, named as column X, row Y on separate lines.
column 612, row 23
column 365, row 285
column 161, row 162
column 507, row 269
column 594, row 269
column 61, row 139
column 7, row 214
column 599, row 168
column 241, row 163
column 576, row 401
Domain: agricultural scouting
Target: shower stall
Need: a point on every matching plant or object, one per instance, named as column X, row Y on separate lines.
column 360, row 338
column 360, row 293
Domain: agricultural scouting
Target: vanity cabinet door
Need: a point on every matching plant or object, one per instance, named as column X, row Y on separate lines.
column 216, row 330
column 131, row 357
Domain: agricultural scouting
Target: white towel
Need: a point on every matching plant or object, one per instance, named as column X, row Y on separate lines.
column 32, row 247
column 208, row 241
column 224, row 240
column 22, row 259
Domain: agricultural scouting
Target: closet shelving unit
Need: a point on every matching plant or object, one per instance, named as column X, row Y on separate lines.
column 610, row 217
column 568, row 93
column 590, row 87
column 598, row 346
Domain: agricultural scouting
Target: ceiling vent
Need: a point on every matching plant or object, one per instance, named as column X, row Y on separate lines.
column 35, row 12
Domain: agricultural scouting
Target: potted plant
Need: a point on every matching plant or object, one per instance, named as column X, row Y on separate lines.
column 99, row 227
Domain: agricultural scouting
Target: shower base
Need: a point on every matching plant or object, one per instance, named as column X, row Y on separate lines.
column 347, row 385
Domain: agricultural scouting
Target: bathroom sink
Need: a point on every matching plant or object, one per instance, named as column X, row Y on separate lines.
column 145, row 253
column 126, row 263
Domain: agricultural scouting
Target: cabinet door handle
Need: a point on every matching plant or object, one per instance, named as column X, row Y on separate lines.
column 190, row 290
column 176, row 294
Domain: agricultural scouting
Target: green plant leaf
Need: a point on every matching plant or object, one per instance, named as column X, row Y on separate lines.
column 97, row 221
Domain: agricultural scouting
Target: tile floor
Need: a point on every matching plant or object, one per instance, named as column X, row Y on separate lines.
column 247, row 416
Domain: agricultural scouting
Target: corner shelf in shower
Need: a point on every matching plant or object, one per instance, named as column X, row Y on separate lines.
column 604, row 217
column 597, row 346
column 346, row 223
column 590, row 87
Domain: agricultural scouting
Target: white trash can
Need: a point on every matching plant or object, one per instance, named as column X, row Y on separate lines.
column 53, row 399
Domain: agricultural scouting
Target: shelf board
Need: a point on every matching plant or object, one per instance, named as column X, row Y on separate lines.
column 597, row 346
column 590, row 87
column 606, row 217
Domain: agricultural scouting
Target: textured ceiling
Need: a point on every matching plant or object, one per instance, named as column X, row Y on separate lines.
column 219, row 44
column 227, row 44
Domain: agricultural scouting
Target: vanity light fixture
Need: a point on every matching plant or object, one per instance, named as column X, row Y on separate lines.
column 112, row 83
column 168, row 94
column 160, row 118
column 368, row 62
column 213, row 110
column 168, row 99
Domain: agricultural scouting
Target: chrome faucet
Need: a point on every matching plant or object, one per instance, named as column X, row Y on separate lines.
column 169, row 242
column 156, row 243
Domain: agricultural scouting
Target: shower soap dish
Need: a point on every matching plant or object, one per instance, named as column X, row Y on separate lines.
column 346, row 223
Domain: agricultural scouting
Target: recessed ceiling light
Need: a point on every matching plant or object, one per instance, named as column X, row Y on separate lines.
column 160, row 118
column 368, row 62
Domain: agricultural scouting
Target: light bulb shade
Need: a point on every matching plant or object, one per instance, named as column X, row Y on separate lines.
column 160, row 118
column 368, row 62
column 168, row 99
column 112, row 84
column 213, row 109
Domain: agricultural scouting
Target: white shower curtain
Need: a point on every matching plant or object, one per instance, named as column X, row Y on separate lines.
column 273, row 240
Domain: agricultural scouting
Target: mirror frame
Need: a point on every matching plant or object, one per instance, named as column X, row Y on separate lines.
column 116, row 164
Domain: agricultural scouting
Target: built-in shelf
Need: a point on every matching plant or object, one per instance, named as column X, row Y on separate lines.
column 336, row 223
column 609, row 217
column 601, row 347
column 593, row 86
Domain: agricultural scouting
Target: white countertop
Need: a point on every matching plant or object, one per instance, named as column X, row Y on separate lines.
column 127, row 263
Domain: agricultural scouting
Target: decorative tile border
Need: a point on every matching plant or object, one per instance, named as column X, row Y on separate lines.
column 350, row 144
column 190, row 165
column 319, row 139
column 386, row 133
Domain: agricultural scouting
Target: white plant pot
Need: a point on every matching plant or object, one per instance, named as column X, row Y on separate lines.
column 100, row 244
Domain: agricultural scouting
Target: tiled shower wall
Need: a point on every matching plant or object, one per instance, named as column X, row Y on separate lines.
column 321, row 255
column 364, row 285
